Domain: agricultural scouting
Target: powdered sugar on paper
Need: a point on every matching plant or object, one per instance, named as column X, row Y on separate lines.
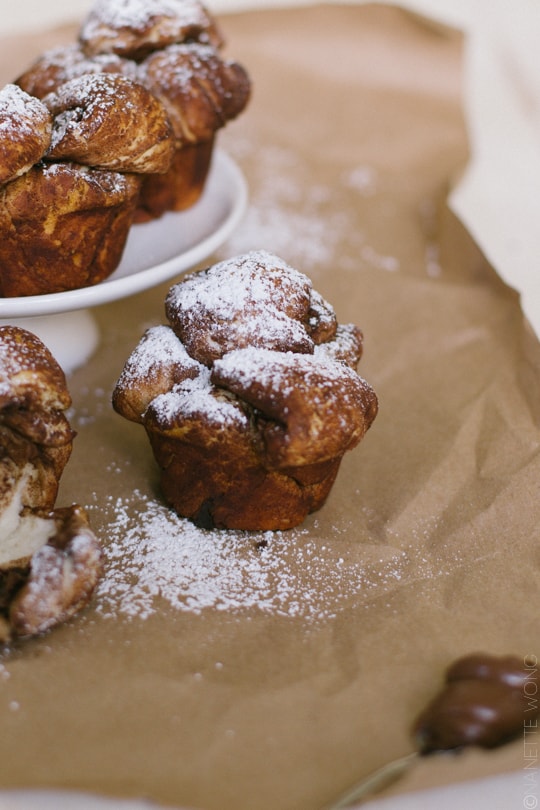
column 153, row 557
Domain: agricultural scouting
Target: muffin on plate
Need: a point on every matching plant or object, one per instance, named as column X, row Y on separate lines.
column 201, row 92
column 176, row 45
column 65, row 219
column 250, row 396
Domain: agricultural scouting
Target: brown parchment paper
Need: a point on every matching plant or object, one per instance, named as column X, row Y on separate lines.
column 353, row 138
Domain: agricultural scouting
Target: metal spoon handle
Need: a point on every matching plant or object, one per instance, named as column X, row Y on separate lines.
column 375, row 782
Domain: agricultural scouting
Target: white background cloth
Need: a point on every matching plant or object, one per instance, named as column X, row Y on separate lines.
column 498, row 197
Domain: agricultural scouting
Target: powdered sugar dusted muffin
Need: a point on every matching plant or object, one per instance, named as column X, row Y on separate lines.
column 175, row 45
column 250, row 396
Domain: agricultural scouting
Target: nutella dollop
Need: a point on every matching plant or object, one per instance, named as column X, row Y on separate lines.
column 485, row 702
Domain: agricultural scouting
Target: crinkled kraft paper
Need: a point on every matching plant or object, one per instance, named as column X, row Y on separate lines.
column 428, row 547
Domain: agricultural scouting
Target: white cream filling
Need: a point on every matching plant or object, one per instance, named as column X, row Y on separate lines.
column 22, row 536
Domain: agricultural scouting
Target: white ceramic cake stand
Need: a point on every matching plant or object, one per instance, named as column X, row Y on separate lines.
column 155, row 252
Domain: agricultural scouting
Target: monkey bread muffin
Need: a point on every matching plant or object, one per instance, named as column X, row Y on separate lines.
column 250, row 395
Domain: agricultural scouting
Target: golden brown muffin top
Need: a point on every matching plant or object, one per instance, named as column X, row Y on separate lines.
column 25, row 132
column 108, row 121
column 59, row 65
column 200, row 90
column 133, row 28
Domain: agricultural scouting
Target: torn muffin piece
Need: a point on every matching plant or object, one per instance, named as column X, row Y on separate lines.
column 53, row 582
column 50, row 560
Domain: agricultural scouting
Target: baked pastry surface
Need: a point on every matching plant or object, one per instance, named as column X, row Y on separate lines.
column 57, row 66
column 251, row 397
column 133, row 28
column 36, row 438
column 63, row 226
column 108, row 121
column 25, row 132
column 201, row 92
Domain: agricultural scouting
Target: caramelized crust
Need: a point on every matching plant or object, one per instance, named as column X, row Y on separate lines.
column 25, row 132
column 63, row 226
column 107, row 121
column 133, row 28
column 200, row 91
column 59, row 65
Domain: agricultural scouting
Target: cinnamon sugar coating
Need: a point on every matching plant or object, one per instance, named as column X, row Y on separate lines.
column 25, row 132
column 107, row 121
column 134, row 28
column 59, row 65
column 251, row 397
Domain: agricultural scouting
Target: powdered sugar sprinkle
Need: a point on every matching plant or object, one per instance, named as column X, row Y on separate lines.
column 154, row 557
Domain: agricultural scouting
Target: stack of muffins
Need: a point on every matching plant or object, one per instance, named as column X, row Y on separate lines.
column 115, row 128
